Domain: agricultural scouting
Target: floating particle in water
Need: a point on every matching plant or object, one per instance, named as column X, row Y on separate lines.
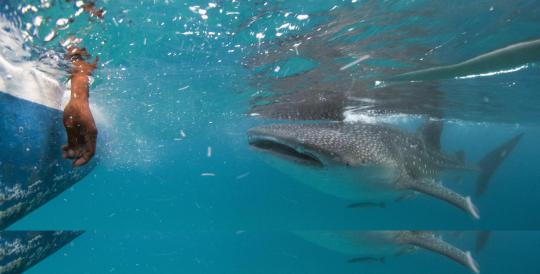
column 295, row 46
column 286, row 26
column 28, row 8
column 354, row 62
column 38, row 20
column 45, row 4
column 259, row 35
column 80, row 11
column 62, row 23
column 209, row 152
column 50, row 36
column 242, row 176
column 208, row 174
column 302, row 17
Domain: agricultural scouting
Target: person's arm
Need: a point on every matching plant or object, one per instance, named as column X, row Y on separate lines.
column 80, row 126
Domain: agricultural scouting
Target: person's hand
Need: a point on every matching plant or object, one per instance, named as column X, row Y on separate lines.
column 81, row 132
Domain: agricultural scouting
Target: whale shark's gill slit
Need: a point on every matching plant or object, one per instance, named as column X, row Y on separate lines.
column 287, row 152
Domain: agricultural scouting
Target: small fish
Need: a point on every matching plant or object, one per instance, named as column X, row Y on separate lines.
column 367, row 204
column 367, row 260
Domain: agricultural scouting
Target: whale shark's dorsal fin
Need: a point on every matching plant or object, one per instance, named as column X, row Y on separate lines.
column 439, row 191
column 430, row 242
column 431, row 132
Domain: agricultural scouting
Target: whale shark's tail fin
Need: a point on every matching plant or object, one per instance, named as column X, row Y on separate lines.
column 492, row 161
column 433, row 243
column 439, row 191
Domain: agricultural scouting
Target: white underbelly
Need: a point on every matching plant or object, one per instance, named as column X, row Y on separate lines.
column 355, row 184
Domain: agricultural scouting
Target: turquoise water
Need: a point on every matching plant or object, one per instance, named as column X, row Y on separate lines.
column 177, row 187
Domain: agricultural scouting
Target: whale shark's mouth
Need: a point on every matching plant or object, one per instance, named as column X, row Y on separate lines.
column 285, row 151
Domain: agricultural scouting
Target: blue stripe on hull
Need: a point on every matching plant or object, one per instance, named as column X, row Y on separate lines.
column 32, row 170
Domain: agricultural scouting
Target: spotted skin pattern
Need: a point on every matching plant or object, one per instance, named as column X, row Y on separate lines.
column 415, row 163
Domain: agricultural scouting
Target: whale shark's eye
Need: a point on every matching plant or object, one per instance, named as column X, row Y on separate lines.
column 287, row 152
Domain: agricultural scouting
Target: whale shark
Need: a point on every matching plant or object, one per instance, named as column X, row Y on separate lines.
column 365, row 246
column 371, row 163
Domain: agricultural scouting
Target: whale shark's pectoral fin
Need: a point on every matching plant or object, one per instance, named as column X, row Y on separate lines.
column 439, row 191
column 436, row 244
